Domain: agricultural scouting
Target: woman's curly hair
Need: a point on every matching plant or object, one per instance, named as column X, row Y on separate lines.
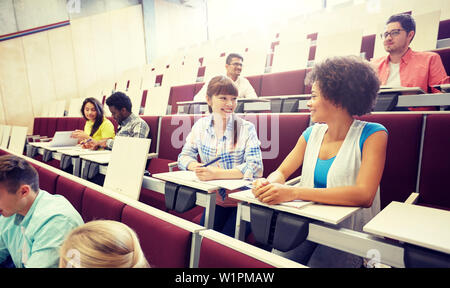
column 348, row 82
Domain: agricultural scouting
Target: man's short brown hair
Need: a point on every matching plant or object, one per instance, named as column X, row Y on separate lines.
column 15, row 171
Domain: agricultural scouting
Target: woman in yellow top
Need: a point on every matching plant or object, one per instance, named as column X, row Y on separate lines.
column 97, row 126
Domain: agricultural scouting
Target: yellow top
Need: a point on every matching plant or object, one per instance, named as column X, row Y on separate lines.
column 106, row 129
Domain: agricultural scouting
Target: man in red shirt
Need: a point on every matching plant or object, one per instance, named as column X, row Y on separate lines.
column 403, row 66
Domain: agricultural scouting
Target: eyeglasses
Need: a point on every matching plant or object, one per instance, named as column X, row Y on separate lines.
column 393, row 33
column 236, row 64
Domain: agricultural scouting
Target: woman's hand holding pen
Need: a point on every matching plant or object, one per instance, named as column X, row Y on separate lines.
column 85, row 143
column 206, row 173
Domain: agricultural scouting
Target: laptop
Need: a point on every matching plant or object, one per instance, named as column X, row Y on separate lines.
column 63, row 139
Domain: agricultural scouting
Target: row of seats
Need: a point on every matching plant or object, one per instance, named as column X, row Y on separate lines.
column 167, row 241
column 416, row 142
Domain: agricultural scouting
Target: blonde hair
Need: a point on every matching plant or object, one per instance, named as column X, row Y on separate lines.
column 102, row 244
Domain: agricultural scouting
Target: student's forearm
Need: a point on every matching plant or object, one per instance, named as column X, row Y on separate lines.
column 346, row 196
column 228, row 173
column 276, row 177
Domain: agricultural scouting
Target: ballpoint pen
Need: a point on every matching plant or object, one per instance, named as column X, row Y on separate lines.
column 211, row 162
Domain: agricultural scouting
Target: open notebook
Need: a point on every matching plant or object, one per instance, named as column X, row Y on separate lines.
column 230, row 184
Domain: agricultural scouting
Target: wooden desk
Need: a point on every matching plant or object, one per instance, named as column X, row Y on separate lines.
column 401, row 90
column 75, row 155
column 188, row 107
column 436, row 99
column 327, row 213
column 418, row 225
column 323, row 229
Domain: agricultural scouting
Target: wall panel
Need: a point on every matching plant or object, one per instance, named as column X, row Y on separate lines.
column 39, row 69
column 14, row 79
column 63, row 64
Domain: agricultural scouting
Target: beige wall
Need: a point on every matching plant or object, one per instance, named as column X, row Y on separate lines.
column 65, row 63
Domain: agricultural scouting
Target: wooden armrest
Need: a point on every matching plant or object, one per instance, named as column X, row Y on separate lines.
column 293, row 181
column 413, row 198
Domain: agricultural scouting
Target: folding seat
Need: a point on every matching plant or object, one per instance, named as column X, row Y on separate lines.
column 165, row 245
column 73, row 191
column 96, row 205
column 434, row 190
column 402, row 157
column 47, row 180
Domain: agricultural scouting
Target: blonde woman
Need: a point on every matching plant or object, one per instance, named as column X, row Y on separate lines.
column 102, row 244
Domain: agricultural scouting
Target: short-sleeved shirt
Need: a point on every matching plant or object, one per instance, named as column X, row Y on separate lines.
column 322, row 166
column 106, row 129
column 33, row 240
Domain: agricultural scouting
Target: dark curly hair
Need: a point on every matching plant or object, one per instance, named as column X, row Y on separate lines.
column 348, row 82
column 119, row 100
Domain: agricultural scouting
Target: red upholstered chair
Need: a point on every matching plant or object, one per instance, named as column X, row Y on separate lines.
column 180, row 93
column 96, row 205
column 283, row 83
column 434, row 190
column 278, row 134
column 37, row 125
column 367, row 46
column 47, row 180
column 43, row 127
column 113, row 122
column 164, row 244
column 153, row 122
column 402, row 155
column 255, row 81
column 73, row 191
column 174, row 130
column 216, row 255
column 445, row 57
column 197, row 87
column 444, row 29
column 51, row 128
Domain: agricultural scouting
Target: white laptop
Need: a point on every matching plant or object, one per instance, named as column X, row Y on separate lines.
column 62, row 139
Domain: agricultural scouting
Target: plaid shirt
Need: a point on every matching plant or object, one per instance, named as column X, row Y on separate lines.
column 133, row 126
column 245, row 156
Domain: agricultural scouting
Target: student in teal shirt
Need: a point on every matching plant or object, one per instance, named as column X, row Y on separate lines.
column 33, row 223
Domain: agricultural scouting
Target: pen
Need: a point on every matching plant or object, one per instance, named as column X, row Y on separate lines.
column 87, row 141
column 211, row 162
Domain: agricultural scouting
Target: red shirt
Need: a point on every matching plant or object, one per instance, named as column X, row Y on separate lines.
column 417, row 69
